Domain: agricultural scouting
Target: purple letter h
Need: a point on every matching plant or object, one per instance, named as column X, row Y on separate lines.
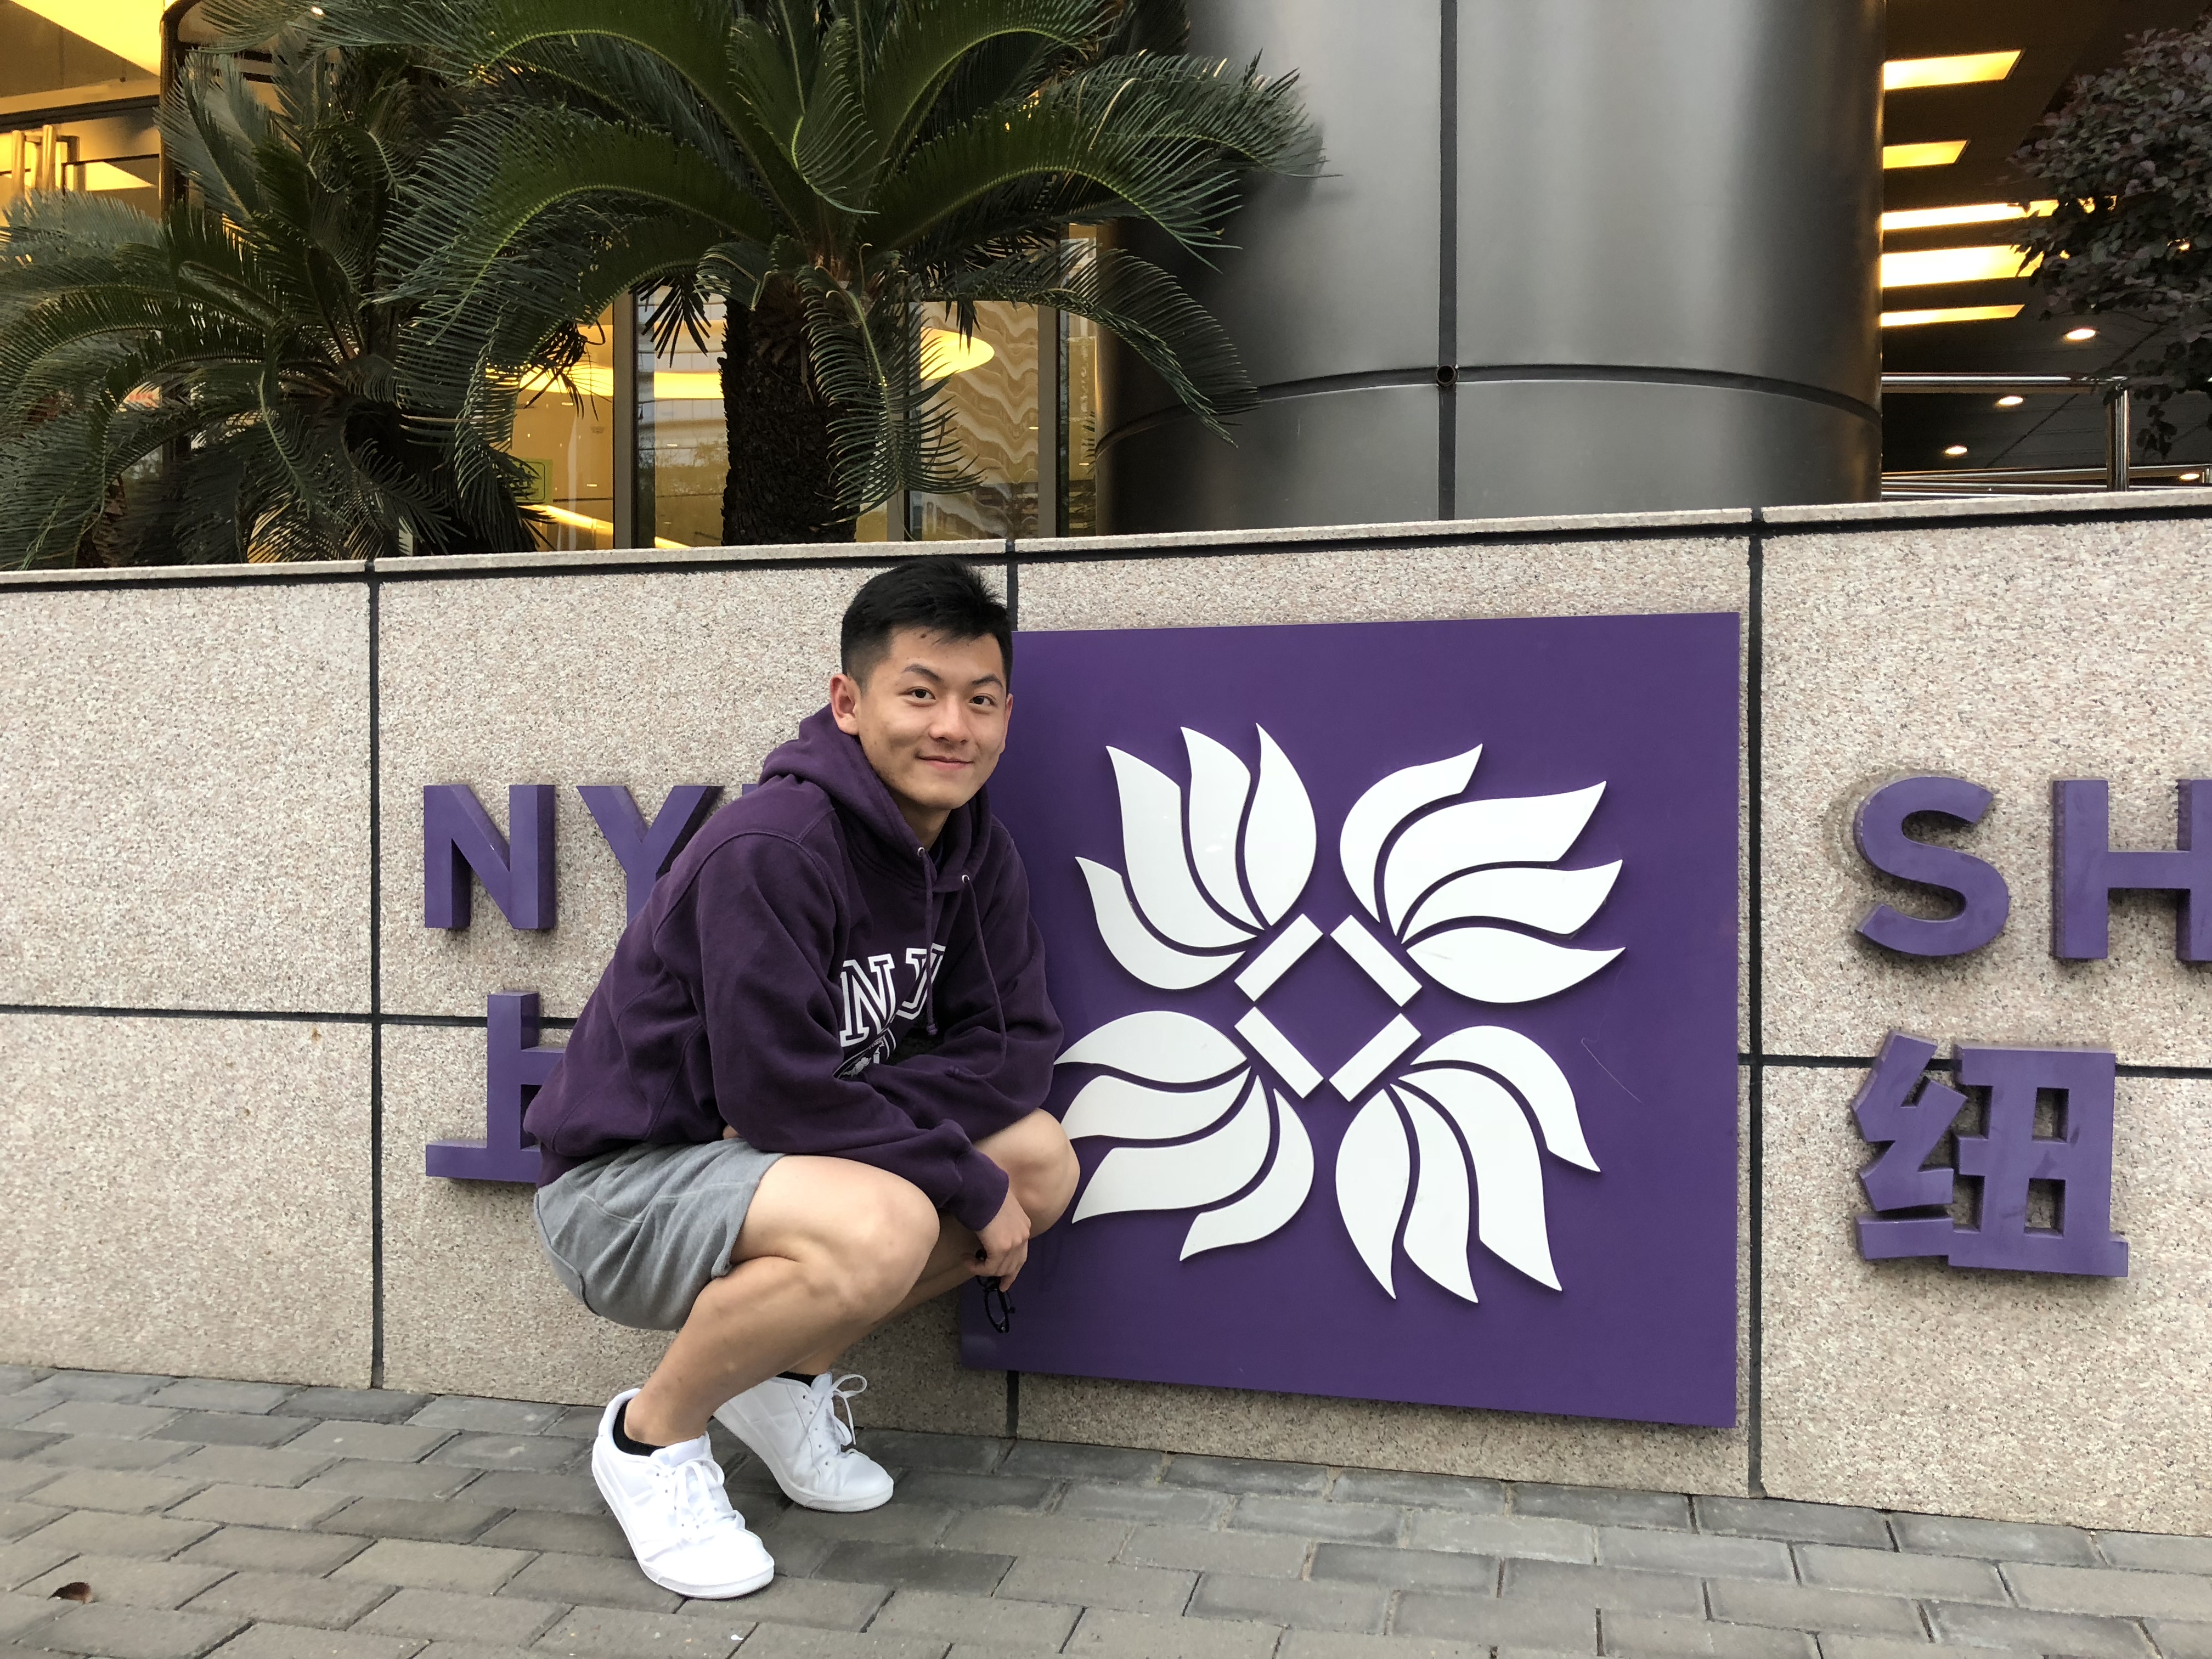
column 2085, row 870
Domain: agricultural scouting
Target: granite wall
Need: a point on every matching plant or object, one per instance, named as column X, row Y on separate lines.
column 225, row 1035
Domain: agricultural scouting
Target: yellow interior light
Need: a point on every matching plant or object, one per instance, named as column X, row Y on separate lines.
column 1971, row 213
column 2081, row 334
column 105, row 175
column 130, row 29
column 944, row 353
column 599, row 526
column 2011, row 400
column 1950, row 264
column 591, row 379
column 687, row 385
column 1949, row 314
column 1940, row 153
column 1954, row 449
column 1902, row 72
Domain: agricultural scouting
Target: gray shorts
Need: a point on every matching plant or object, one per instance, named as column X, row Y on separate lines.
column 637, row 1234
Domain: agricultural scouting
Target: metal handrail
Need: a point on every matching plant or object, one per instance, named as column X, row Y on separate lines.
column 2119, row 428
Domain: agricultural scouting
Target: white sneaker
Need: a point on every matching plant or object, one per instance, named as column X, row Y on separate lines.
column 804, row 1433
column 676, row 1516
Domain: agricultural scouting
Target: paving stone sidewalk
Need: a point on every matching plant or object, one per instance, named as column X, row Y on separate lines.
column 255, row 1522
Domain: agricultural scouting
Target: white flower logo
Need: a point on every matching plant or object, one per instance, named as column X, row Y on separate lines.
column 1208, row 877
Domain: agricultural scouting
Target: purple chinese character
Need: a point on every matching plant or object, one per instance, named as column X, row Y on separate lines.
column 515, row 1068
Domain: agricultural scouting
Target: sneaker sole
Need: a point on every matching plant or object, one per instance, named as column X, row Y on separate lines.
column 704, row 1592
column 805, row 1500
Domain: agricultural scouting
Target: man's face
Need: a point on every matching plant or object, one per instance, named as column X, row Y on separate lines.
column 931, row 716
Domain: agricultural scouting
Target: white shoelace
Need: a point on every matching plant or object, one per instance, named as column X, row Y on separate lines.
column 695, row 1486
column 829, row 1415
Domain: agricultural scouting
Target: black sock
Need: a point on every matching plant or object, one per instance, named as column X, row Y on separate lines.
column 623, row 1442
column 797, row 1376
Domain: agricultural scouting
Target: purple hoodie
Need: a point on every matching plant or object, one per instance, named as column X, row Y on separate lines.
column 807, row 974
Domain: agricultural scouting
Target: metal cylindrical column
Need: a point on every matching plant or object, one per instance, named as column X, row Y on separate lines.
column 1566, row 257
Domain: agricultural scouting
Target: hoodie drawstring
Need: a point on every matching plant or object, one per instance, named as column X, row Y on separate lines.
column 929, row 935
column 998, row 1003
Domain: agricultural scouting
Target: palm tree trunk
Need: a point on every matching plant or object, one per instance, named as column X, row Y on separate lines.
column 782, row 485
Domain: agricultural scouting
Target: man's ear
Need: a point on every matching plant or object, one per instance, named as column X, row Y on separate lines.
column 845, row 703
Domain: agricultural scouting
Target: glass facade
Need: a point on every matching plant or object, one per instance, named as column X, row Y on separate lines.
column 682, row 443
column 569, row 445
column 79, row 85
column 989, row 387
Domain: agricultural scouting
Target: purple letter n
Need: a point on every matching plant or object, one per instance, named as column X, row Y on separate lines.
column 459, row 837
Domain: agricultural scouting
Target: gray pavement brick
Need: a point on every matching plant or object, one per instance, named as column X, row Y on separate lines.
column 379, row 1441
column 568, row 1535
column 291, row 1598
column 615, row 1633
column 230, row 1429
column 2176, row 1640
column 1161, row 1506
column 818, row 1604
column 474, row 1650
column 2156, row 1552
column 1529, row 1537
column 1801, row 1607
column 260, row 1506
column 1317, row 1517
column 1836, row 1646
column 268, row 1551
column 203, row 1393
column 1246, row 1474
column 15, row 1407
column 15, row 1443
column 442, row 1614
column 19, row 1480
column 133, row 1583
column 96, row 1385
column 22, row 1563
column 454, row 1411
column 17, row 1519
column 12, row 1377
column 1601, row 1506
column 420, row 1481
column 353, row 1405
column 1624, row 1590
column 2107, row 1591
column 1695, row 1553
column 1784, row 1518
column 1340, row 1645
column 1107, row 1633
column 1052, row 1459
column 975, row 1492
column 1894, row 1573
column 114, row 1631
column 1639, row 1636
column 1994, row 1540
column 957, row 1454
column 1399, row 1569
column 124, row 1492
column 108, row 1451
column 116, row 1420
column 1431, row 1492
column 963, row 1572
column 894, row 1524
column 2038, row 1632
column 249, row 1465
column 402, row 1517
column 1097, row 1584
column 1062, row 1537
column 145, row 1537
column 522, row 1489
column 509, row 1451
column 799, row 1553
column 1289, row 1601
column 577, row 1423
column 1030, row 1623
column 1200, row 1549
column 20, row 1614
column 786, row 1641
column 293, row 1642
column 593, row 1581
column 412, row 1562
column 1561, row 1627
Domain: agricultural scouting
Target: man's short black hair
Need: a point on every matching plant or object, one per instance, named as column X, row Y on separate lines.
column 938, row 595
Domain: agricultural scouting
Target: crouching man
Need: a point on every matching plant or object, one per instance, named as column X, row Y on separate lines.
column 806, row 1096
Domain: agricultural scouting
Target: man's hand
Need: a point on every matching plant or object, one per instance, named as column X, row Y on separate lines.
column 1006, row 1244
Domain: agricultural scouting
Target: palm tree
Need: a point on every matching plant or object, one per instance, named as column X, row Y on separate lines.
column 231, row 380
column 825, row 171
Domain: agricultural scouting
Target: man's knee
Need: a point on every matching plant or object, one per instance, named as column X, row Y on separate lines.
column 1040, row 1165
column 877, row 1247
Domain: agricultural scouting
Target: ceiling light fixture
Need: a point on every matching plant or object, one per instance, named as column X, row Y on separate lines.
column 2011, row 400
column 1940, row 153
column 2080, row 333
column 1949, row 314
column 944, row 353
column 1950, row 264
column 1955, row 449
column 131, row 29
column 1971, row 213
column 1900, row 73
column 2190, row 478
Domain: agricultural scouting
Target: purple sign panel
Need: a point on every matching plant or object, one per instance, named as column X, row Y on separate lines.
column 1399, row 967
